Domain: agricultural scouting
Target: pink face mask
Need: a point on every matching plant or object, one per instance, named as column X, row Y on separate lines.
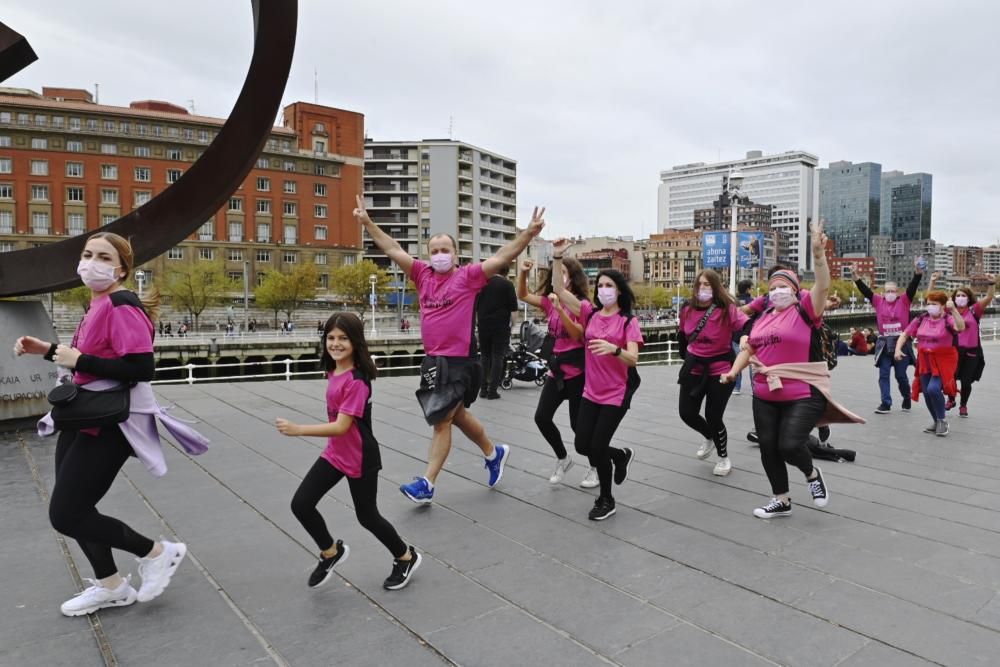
column 961, row 301
column 98, row 276
column 442, row 262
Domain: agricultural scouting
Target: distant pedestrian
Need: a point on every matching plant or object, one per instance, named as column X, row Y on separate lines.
column 493, row 308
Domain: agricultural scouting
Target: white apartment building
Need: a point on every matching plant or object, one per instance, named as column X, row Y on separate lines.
column 786, row 181
column 635, row 250
column 991, row 260
column 416, row 189
column 944, row 259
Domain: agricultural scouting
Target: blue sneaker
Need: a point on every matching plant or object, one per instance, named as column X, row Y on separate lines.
column 419, row 491
column 496, row 465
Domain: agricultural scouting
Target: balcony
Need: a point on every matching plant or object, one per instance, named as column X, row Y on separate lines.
column 398, row 173
column 389, row 187
column 465, row 173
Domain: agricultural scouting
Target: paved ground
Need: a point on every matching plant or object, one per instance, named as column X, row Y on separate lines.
column 902, row 568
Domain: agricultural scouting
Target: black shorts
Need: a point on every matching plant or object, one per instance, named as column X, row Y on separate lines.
column 447, row 381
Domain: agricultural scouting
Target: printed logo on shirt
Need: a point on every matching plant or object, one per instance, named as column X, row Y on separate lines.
column 433, row 303
column 758, row 342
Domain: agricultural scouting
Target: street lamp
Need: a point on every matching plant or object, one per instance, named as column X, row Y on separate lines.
column 246, row 297
column 373, row 279
column 140, row 279
column 733, row 184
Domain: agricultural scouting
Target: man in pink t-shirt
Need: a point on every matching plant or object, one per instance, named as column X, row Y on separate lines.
column 450, row 374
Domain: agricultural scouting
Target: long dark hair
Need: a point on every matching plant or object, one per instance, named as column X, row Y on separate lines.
column 351, row 325
column 720, row 296
column 625, row 296
column 578, row 283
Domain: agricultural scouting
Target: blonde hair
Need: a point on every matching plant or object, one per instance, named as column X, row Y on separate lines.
column 150, row 300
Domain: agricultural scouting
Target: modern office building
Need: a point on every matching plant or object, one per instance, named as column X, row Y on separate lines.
column 991, row 260
column 786, row 182
column 901, row 255
column 905, row 212
column 69, row 166
column 748, row 215
column 944, row 259
column 879, row 249
column 417, row 189
column 850, row 202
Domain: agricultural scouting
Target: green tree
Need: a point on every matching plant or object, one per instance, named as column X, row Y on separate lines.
column 75, row 296
column 285, row 292
column 197, row 286
column 351, row 282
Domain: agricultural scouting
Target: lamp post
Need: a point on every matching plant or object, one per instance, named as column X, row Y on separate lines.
column 140, row 279
column 733, row 184
column 373, row 279
column 246, row 297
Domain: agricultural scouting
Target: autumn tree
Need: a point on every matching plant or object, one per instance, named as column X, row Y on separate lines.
column 198, row 285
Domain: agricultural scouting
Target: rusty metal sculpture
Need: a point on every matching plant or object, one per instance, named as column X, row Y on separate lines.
column 175, row 213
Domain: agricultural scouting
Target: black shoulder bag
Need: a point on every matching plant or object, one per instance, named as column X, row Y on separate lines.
column 682, row 339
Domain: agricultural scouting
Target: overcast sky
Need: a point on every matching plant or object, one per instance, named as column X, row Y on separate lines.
column 593, row 99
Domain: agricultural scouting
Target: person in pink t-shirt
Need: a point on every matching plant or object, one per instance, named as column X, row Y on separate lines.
column 566, row 360
column 612, row 338
column 709, row 355
column 450, row 374
column 114, row 342
column 351, row 452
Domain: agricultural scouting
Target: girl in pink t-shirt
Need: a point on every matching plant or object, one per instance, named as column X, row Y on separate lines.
column 566, row 361
column 351, row 451
column 709, row 356
column 971, row 360
column 612, row 338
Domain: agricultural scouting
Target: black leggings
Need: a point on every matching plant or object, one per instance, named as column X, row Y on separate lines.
column 595, row 426
column 716, row 398
column 549, row 402
column 86, row 466
column 783, row 429
column 321, row 478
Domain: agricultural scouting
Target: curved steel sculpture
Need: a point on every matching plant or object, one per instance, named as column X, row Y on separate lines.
column 178, row 211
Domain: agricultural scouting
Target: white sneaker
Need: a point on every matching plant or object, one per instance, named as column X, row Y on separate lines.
column 706, row 450
column 562, row 465
column 97, row 597
column 590, row 480
column 723, row 467
column 156, row 572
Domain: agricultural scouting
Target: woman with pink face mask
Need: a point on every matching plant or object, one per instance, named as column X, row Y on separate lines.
column 709, row 322
column 112, row 345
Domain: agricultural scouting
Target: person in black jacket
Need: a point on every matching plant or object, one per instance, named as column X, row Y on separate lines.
column 497, row 301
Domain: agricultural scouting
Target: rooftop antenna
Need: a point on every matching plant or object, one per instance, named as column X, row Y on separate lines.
column 97, row 93
column 316, row 85
column 191, row 106
column 451, row 127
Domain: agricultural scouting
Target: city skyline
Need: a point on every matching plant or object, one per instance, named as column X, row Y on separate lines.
column 592, row 102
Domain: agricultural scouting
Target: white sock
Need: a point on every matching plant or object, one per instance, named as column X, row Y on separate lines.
column 493, row 456
column 430, row 484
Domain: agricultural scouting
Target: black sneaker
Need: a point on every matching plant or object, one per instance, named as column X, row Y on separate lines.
column 907, row 404
column 401, row 571
column 772, row 509
column 325, row 566
column 752, row 437
column 817, row 487
column 621, row 468
column 882, row 409
column 603, row 508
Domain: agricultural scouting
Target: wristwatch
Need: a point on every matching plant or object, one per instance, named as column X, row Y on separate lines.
column 618, row 350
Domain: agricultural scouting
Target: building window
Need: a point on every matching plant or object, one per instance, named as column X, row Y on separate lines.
column 288, row 165
column 319, row 189
column 235, row 231
column 6, row 191
column 319, row 211
column 174, row 154
column 290, row 208
column 109, row 126
column 142, row 196
column 74, row 194
column 7, row 246
column 235, row 277
column 5, row 117
column 263, row 232
column 75, row 123
column 320, row 259
column 188, row 133
column 263, row 184
column 40, row 222
column 272, row 144
column 107, row 219
column 58, row 121
column 319, row 233
column 157, row 130
column 109, row 149
column 235, row 204
column 173, row 175
column 6, row 222
column 286, row 145
column 319, row 169
column 348, row 260
column 39, row 143
column 175, row 253
column 74, row 169
column 207, row 231
column 75, row 224
column 290, row 187
column 109, row 172
column 203, row 136
column 263, row 255
column 41, row 120
column 206, row 253
column 291, row 234
column 235, row 254
column 143, row 174
column 173, row 132
column 141, row 129
column 40, row 193
column 290, row 257
column 4, row 141
column 141, row 151
column 263, row 163
column 39, row 167
column 109, row 197
column 6, row 165
column 263, row 205
column 22, row 119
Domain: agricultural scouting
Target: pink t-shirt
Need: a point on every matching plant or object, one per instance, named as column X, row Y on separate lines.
column 783, row 337
column 563, row 341
column 715, row 339
column 447, row 306
column 892, row 318
column 348, row 395
column 606, row 376
column 932, row 334
column 758, row 304
column 970, row 336
column 110, row 332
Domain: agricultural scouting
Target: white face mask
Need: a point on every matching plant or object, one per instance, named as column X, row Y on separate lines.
column 781, row 297
column 961, row 300
column 608, row 296
column 704, row 294
column 442, row 262
column 891, row 297
column 934, row 309
column 98, row 276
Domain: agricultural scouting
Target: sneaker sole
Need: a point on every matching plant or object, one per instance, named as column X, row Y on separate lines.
column 589, row 485
column 329, row 573
column 124, row 602
column 628, row 466
column 722, row 473
column 881, row 412
column 406, row 581
column 419, row 501
column 147, row 596
column 603, row 517
column 503, row 462
column 772, row 515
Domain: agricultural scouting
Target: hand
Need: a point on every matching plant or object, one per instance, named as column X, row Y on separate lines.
column 818, row 237
column 899, row 355
column 527, row 265
column 950, row 305
column 990, row 277
column 554, row 300
column 936, row 275
column 537, row 222
column 286, row 427
column 852, row 271
column 744, row 343
column 30, row 345
column 601, row 347
column 66, row 356
column 833, row 302
column 726, row 378
column 360, row 213
column 560, row 245
column 916, row 265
